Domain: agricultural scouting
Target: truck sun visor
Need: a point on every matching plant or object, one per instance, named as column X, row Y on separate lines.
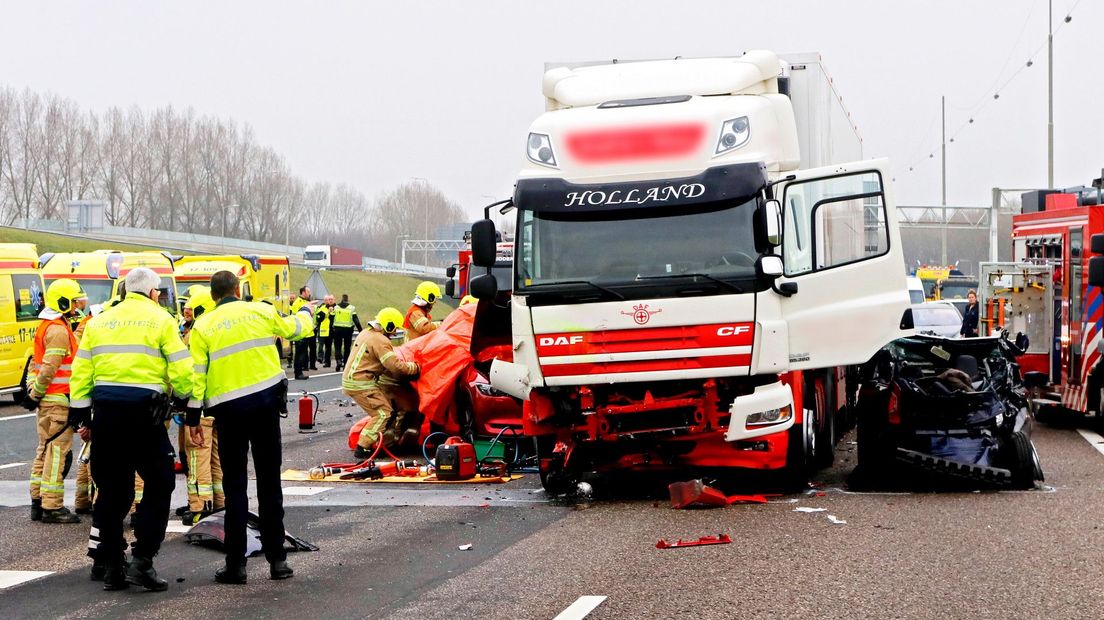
column 732, row 182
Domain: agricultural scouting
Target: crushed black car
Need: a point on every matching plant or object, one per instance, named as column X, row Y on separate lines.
column 957, row 408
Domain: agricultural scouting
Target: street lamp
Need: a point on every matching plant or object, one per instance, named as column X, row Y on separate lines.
column 425, row 216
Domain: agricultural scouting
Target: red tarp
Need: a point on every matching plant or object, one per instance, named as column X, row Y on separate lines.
column 442, row 355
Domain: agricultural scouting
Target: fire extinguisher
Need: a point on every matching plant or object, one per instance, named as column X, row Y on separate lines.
column 308, row 412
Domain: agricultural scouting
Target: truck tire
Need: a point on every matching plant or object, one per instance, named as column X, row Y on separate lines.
column 1019, row 456
column 874, row 448
column 553, row 479
column 799, row 456
column 824, row 422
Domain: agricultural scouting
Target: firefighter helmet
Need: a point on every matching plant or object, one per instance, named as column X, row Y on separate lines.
column 389, row 320
column 468, row 299
column 428, row 292
column 62, row 295
column 199, row 300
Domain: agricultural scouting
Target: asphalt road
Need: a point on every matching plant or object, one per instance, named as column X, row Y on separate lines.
column 391, row 551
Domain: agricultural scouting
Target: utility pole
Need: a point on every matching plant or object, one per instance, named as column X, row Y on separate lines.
column 1050, row 94
column 943, row 233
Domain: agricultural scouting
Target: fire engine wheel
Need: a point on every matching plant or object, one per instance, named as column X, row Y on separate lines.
column 1019, row 456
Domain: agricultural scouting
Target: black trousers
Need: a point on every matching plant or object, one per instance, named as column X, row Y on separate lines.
column 302, row 355
column 128, row 441
column 253, row 425
column 343, row 343
column 325, row 349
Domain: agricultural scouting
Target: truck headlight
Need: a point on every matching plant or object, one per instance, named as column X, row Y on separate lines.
column 734, row 134
column 539, row 150
column 486, row 390
column 770, row 416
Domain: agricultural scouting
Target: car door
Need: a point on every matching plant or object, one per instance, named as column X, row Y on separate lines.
column 842, row 248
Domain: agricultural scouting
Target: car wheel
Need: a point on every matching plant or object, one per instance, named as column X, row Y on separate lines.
column 1019, row 455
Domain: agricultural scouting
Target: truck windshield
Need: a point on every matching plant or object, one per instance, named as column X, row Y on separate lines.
column 957, row 289
column 314, row 255
column 633, row 251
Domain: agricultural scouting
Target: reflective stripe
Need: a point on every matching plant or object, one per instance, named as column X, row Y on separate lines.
column 84, row 354
column 422, row 321
column 60, row 399
column 60, row 381
column 65, row 368
column 352, row 384
column 194, row 404
column 80, row 404
column 156, row 387
column 298, row 327
column 387, row 356
column 182, row 354
column 245, row 391
column 200, row 368
column 125, row 348
column 56, row 351
column 244, row 345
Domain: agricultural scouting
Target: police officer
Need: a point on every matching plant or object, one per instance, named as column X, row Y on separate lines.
column 344, row 319
column 418, row 322
column 372, row 379
column 304, row 347
column 239, row 381
column 324, row 318
column 120, row 372
column 48, row 391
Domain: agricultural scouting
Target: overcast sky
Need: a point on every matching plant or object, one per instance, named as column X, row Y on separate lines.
column 374, row 93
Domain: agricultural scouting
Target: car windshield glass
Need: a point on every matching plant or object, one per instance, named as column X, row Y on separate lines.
column 935, row 315
column 621, row 247
column 168, row 294
column 917, row 297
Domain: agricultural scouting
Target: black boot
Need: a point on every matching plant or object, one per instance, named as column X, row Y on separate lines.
column 280, row 570
column 233, row 572
column 99, row 570
column 59, row 515
column 141, row 573
column 36, row 510
column 114, row 577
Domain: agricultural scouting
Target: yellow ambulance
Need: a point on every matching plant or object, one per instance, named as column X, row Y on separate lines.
column 101, row 273
column 263, row 278
column 22, row 297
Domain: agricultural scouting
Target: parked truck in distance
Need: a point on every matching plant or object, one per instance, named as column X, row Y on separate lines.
column 696, row 256
column 331, row 256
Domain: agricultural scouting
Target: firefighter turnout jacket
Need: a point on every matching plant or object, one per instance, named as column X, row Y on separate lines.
column 373, row 363
column 418, row 323
column 135, row 349
column 233, row 353
column 55, row 345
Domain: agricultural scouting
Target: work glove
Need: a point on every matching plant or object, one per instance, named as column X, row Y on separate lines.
column 30, row 403
column 417, row 373
column 80, row 416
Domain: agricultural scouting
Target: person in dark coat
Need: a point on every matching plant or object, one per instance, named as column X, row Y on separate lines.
column 970, row 317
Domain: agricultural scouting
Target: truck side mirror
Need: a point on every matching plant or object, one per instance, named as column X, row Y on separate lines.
column 772, row 221
column 484, row 247
column 484, row 286
column 450, row 271
column 1096, row 244
column 1096, row 271
column 450, row 288
column 770, row 266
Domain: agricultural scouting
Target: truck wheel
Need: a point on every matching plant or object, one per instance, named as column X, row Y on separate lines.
column 824, row 427
column 553, row 477
column 799, row 456
column 1019, row 455
column 874, row 445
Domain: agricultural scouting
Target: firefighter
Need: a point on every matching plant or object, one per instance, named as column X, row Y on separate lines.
column 468, row 299
column 205, row 494
column 344, row 319
column 372, row 379
column 48, row 391
column 304, row 346
column 125, row 359
column 240, row 383
column 324, row 319
column 417, row 321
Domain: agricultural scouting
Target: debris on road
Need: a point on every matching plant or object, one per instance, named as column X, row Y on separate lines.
column 695, row 493
column 466, row 547
column 809, row 509
column 836, row 520
column 720, row 539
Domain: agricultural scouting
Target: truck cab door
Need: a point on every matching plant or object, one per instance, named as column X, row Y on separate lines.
column 841, row 246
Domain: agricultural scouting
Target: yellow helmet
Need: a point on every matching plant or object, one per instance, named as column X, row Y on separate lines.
column 62, row 295
column 199, row 300
column 389, row 320
column 428, row 292
column 468, row 299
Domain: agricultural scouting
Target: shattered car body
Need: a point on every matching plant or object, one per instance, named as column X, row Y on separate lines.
column 956, row 407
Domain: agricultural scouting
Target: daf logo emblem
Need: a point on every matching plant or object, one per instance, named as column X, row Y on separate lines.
column 641, row 314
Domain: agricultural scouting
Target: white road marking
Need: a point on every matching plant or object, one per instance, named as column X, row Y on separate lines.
column 581, row 608
column 17, row 417
column 305, row 490
column 1095, row 440
column 10, row 465
column 9, row 578
column 177, row 528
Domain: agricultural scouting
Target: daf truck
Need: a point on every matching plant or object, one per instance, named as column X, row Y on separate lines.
column 699, row 248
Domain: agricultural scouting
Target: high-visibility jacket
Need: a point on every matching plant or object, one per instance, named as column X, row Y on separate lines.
column 52, row 367
column 417, row 322
column 344, row 316
column 135, row 346
column 373, row 363
column 233, row 353
column 324, row 318
column 297, row 304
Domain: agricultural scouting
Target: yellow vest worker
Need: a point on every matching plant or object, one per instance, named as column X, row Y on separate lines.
column 240, row 382
column 125, row 359
column 344, row 319
column 324, row 317
column 304, row 347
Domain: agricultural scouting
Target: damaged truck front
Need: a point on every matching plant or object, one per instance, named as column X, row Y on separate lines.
column 694, row 260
